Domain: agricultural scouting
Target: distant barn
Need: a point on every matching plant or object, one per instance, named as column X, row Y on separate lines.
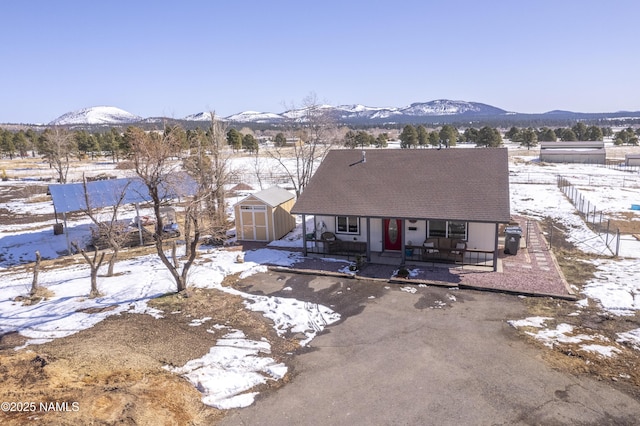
column 632, row 160
column 584, row 152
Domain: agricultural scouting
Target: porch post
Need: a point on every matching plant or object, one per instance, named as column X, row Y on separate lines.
column 402, row 242
column 368, row 239
column 495, row 250
column 304, row 234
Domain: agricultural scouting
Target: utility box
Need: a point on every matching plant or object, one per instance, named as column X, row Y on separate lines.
column 58, row 229
column 512, row 235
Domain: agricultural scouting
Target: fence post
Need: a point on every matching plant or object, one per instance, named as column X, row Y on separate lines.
column 618, row 242
column 587, row 211
column 550, row 235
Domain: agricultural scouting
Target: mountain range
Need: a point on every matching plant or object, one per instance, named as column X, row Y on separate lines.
column 437, row 111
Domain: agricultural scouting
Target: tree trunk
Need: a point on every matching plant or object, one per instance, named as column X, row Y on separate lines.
column 94, row 265
column 112, row 261
column 94, row 274
column 174, row 254
column 36, row 271
column 187, row 231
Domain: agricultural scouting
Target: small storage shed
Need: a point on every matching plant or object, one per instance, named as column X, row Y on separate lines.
column 585, row 152
column 265, row 215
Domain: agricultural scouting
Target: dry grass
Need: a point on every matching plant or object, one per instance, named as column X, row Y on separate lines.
column 41, row 293
column 114, row 370
column 626, row 222
column 575, row 266
column 621, row 369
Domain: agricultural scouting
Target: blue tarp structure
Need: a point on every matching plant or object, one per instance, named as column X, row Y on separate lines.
column 70, row 197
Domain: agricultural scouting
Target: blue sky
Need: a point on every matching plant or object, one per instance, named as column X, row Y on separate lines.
column 161, row 58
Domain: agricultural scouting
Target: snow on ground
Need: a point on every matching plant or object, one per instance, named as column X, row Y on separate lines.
column 231, row 368
column 615, row 286
column 236, row 364
column 564, row 333
column 223, row 375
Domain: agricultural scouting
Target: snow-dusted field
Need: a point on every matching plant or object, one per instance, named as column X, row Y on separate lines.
column 615, row 287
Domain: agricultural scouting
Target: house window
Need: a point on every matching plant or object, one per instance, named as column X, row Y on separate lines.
column 347, row 225
column 437, row 228
column 450, row 229
column 457, row 230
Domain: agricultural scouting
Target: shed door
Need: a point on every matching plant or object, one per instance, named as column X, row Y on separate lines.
column 253, row 223
column 392, row 234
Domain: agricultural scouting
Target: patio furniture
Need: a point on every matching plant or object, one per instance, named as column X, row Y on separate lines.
column 444, row 249
column 333, row 245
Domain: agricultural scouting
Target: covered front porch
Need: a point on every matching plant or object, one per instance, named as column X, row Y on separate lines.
column 397, row 241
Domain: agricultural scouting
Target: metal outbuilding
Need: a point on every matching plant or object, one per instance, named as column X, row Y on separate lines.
column 632, row 160
column 265, row 215
column 583, row 152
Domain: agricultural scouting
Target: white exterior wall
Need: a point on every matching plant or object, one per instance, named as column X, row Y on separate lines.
column 330, row 226
column 415, row 237
column 481, row 236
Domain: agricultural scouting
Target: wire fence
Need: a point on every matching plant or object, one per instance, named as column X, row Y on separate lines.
column 545, row 178
column 593, row 217
column 619, row 164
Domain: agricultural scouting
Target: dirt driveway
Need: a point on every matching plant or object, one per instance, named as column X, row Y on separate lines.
column 436, row 356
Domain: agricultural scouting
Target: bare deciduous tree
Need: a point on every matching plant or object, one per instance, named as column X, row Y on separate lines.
column 316, row 132
column 94, row 263
column 112, row 230
column 208, row 164
column 152, row 153
column 258, row 168
column 57, row 145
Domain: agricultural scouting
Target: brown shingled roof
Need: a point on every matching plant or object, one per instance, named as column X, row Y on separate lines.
column 451, row 184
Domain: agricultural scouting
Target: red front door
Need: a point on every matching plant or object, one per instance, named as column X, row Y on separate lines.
column 392, row 234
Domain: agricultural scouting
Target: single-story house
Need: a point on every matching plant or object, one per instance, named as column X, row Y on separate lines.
column 417, row 204
column 584, row 152
column 632, row 160
column 265, row 215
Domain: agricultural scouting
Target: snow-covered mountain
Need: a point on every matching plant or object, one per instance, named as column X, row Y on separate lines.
column 437, row 111
column 96, row 115
column 447, row 107
column 255, row 117
column 360, row 113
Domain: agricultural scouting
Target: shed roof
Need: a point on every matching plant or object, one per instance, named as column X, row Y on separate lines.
column 70, row 197
column 452, row 184
column 273, row 196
